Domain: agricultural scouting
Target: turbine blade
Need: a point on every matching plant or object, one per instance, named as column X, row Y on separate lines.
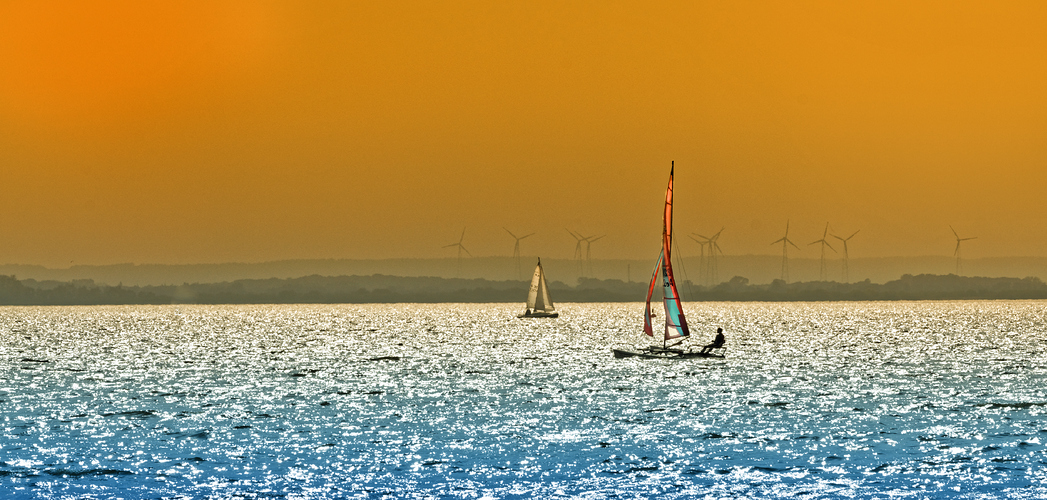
column 451, row 245
column 793, row 244
column 467, row 252
column 522, row 237
column 852, row 234
column 954, row 232
column 463, row 236
column 510, row 232
column 777, row 241
column 957, row 251
column 826, row 243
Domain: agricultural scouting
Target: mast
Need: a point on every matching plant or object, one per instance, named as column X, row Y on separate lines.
column 667, row 240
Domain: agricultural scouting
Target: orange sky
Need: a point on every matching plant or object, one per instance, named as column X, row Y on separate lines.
column 213, row 131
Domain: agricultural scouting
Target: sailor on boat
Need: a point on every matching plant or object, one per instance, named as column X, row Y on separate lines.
column 675, row 322
column 717, row 342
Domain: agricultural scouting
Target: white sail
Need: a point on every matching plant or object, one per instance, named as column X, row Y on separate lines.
column 544, row 303
column 538, row 295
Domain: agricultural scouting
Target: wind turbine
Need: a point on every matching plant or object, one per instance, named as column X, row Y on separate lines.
column 701, row 256
column 461, row 248
column 714, row 261
column 957, row 252
column 516, row 250
column 821, row 267
column 577, row 245
column 578, row 255
column 785, row 241
column 588, row 252
column 846, row 258
column 711, row 265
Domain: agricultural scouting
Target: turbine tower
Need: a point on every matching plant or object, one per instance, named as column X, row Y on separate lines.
column 461, row 248
column 577, row 250
column 702, row 256
column 785, row 241
column 577, row 245
column 714, row 261
column 821, row 266
column 846, row 258
column 711, row 264
column 516, row 250
column 588, row 252
column 957, row 252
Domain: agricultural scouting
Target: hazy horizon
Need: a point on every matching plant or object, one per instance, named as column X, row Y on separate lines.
column 238, row 131
column 758, row 269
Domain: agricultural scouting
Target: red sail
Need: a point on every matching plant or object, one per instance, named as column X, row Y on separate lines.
column 667, row 219
column 675, row 322
column 648, row 327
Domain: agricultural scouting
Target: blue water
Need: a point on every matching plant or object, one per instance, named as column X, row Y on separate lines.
column 822, row 400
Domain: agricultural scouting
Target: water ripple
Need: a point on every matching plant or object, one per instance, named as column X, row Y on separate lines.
column 818, row 400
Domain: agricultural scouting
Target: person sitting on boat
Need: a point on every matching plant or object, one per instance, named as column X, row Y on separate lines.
column 717, row 342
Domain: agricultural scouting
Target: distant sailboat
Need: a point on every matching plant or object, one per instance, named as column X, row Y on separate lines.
column 675, row 321
column 539, row 305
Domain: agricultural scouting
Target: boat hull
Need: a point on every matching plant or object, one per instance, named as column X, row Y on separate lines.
column 540, row 315
column 659, row 353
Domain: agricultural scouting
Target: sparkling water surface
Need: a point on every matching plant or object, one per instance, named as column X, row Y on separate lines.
column 814, row 400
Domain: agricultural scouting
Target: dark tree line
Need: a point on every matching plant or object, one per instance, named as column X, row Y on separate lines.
column 394, row 289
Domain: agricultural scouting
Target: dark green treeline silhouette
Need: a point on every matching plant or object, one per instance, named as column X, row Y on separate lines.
column 394, row 289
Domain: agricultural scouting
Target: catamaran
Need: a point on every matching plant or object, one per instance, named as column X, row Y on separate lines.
column 675, row 321
column 539, row 305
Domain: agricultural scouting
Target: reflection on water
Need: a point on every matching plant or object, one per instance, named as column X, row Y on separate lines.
column 820, row 400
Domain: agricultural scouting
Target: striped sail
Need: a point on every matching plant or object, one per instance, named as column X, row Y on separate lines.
column 675, row 322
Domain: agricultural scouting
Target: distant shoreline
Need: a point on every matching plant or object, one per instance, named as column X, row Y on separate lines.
column 383, row 289
column 759, row 269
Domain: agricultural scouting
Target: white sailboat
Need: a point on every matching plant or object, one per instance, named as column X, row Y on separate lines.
column 675, row 321
column 539, row 305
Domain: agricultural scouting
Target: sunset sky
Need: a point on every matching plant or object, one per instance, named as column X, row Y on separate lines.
column 218, row 131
